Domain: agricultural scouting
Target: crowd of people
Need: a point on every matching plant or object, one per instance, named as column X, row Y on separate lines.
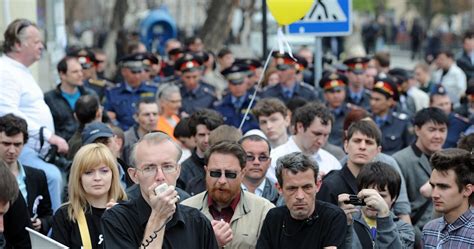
column 189, row 150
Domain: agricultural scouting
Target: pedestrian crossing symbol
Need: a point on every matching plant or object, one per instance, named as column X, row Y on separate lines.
column 325, row 18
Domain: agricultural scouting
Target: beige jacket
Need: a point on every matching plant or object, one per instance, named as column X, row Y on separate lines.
column 246, row 222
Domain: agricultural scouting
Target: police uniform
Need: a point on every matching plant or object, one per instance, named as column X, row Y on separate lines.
column 358, row 65
column 122, row 98
column 87, row 60
column 203, row 96
column 233, row 108
column 456, row 126
column 333, row 82
column 396, row 128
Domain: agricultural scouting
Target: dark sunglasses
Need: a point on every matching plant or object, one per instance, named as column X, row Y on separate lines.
column 282, row 67
column 218, row 174
column 137, row 71
column 261, row 158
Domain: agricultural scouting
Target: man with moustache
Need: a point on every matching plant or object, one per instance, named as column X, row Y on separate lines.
column 236, row 215
column 431, row 131
column 258, row 160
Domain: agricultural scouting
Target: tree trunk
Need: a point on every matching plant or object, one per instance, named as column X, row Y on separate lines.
column 217, row 26
column 110, row 47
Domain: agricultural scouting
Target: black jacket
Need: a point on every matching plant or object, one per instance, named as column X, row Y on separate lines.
column 36, row 185
column 191, row 168
column 64, row 122
column 15, row 221
column 464, row 62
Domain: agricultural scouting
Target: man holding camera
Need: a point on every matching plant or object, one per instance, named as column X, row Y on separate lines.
column 22, row 96
column 373, row 225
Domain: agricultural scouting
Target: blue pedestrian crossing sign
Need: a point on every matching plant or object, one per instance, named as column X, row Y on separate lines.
column 325, row 18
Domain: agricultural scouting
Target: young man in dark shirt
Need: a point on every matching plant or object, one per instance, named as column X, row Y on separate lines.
column 304, row 222
column 155, row 220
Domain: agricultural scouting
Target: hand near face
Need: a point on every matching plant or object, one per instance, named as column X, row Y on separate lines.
column 163, row 204
column 348, row 209
column 373, row 200
column 222, row 231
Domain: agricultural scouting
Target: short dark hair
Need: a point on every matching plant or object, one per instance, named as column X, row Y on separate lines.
column 210, row 118
column 13, row 125
column 268, row 106
column 144, row 100
column 383, row 58
column 295, row 103
column 182, row 128
column 307, row 113
column 380, row 175
column 62, row 64
column 469, row 34
column 367, row 128
column 295, row 162
column 466, row 142
column 430, row 114
column 86, row 108
column 255, row 138
column 223, row 52
column 15, row 33
column 8, row 184
column 228, row 148
column 446, row 52
column 190, row 40
column 458, row 160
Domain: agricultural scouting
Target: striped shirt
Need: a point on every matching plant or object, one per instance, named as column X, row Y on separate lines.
column 460, row 234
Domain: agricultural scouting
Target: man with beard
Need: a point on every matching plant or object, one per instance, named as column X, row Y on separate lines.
column 431, row 131
column 303, row 222
column 236, row 215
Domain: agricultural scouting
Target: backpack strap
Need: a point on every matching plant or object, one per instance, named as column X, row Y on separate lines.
column 84, row 230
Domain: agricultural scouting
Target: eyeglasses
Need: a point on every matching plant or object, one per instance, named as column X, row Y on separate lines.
column 152, row 169
column 227, row 174
column 261, row 158
column 136, row 71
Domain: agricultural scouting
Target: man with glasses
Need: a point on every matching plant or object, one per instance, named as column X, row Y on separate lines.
column 258, row 160
column 236, row 215
column 120, row 100
column 140, row 222
column 22, row 96
column 452, row 180
column 289, row 87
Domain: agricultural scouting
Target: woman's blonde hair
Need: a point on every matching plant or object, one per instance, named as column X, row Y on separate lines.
column 89, row 157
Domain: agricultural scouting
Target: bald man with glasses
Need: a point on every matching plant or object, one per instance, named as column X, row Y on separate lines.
column 236, row 216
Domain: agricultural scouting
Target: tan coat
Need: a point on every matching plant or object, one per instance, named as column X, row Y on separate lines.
column 246, row 222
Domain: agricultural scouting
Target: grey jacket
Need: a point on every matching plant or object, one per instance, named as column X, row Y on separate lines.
column 391, row 233
column 416, row 170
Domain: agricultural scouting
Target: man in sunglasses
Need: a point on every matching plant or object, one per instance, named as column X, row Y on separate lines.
column 236, row 216
column 120, row 100
column 258, row 160
column 289, row 87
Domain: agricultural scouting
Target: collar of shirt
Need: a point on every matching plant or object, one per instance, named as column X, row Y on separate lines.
column 462, row 221
column 15, row 63
column 337, row 111
column 292, row 144
column 129, row 88
column 144, row 211
column 381, row 119
column 356, row 95
column 237, row 102
column 288, row 90
column 20, row 179
column 225, row 213
column 258, row 190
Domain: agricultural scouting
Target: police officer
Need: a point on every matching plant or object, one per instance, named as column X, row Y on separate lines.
column 457, row 123
column 334, row 88
column 396, row 127
column 120, row 100
column 234, row 105
column 195, row 93
column 152, row 68
column 89, row 69
column 356, row 93
column 255, row 71
column 289, row 87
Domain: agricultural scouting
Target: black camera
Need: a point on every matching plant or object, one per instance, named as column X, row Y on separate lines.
column 57, row 159
column 354, row 200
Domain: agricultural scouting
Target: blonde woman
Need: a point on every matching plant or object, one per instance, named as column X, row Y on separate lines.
column 94, row 186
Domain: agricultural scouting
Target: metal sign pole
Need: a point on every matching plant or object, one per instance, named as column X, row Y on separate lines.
column 318, row 61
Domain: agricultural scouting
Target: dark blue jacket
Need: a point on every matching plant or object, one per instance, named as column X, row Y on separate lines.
column 233, row 115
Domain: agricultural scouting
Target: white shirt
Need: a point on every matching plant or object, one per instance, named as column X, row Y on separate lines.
column 325, row 160
column 22, row 96
column 258, row 190
column 454, row 81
